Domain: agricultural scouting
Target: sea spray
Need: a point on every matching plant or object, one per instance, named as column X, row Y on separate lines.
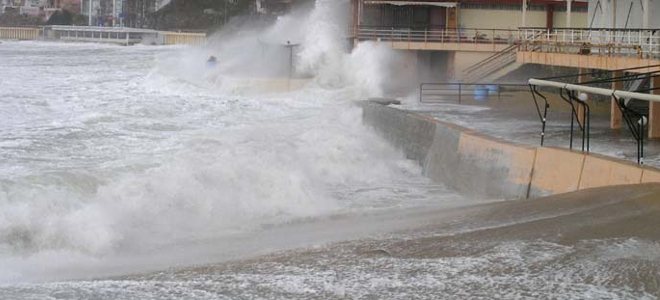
column 159, row 154
column 145, row 168
column 313, row 45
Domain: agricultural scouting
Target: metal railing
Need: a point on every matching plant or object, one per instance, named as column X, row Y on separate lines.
column 432, row 35
column 490, row 65
column 430, row 93
column 19, row 33
column 639, row 43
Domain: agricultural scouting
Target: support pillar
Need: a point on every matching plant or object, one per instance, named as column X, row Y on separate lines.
column 654, row 111
column 523, row 22
column 580, row 108
column 549, row 16
column 452, row 17
column 356, row 22
column 569, row 9
column 616, row 118
column 645, row 14
column 613, row 14
column 451, row 65
column 114, row 12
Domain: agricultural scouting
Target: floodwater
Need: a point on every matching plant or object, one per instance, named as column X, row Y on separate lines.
column 122, row 177
column 513, row 117
column 107, row 154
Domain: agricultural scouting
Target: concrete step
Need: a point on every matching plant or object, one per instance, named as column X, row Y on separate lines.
column 500, row 73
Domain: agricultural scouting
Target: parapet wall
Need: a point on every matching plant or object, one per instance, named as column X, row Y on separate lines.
column 19, row 33
column 486, row 167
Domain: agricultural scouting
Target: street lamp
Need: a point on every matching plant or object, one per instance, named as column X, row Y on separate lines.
column 290, row 46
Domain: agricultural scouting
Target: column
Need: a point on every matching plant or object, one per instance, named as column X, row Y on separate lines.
column 523, row 23
column 114, row 12
column 613, row 14
column 654, row 111
column 580, row 108
column 615, row 113
column 645, row 14
column 569, row 4
column 549, row 16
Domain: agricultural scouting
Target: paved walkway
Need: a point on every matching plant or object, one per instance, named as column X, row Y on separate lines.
column 513, row 117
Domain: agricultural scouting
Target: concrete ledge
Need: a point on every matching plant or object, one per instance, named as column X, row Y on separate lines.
column 442, row 162
column 650, row 175
column 587, row 61
column 419, row 135
column 556, row 171
column 494, row 168
column 601, row 171
column 482, row 166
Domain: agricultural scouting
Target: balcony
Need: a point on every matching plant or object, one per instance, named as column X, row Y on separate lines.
column 463, row 39
column 598, row 48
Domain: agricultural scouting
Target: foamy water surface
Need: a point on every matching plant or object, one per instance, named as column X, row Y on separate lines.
column 126, row 173
column 108, row 154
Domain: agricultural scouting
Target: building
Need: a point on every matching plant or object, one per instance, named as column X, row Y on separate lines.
column 448, row 37
column 70, row 5
column 481, row 40
column 624, row 14
column 275, row 7
column 105, row 12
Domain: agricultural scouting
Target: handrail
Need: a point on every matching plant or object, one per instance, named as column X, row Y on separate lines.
column 441, row 28
column 641, row 43
column 457, row 89
column 487, row 60
column 595, row 90
column 589, row 28
column 462, row 35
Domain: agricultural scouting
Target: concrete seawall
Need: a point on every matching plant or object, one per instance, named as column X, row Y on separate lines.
column 486, row 167
column 19, row 33
column 114, row 35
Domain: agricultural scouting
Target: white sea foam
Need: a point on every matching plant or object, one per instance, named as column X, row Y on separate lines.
column 110, row 153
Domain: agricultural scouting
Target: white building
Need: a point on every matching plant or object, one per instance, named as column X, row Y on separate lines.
column 102, row 11
column 633, row 14
column 161, row 3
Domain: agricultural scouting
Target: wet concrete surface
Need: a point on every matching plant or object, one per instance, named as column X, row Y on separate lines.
column 592, row 244
column 513, row 117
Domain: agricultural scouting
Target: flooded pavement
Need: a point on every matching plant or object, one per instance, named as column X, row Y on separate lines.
column 513, row 117
column 595, row 244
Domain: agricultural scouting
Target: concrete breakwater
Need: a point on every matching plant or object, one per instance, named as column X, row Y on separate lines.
column 114, row 35
column 19, row 33
column 486, row 167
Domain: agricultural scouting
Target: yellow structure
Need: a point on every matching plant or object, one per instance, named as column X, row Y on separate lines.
column 19, row 33
column 183, row 38
column 484, row 166
column 556, row 171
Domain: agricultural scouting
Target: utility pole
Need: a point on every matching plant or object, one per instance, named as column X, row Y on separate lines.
column 290, row 47
column 569, row 6
column 524, row 14
column 90, row 13
column 114, row 12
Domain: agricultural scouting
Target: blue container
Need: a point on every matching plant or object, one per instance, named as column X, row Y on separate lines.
column 480, row 92
column 493, row 89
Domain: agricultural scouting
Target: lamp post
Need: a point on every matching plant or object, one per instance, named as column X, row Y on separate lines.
column 290, row 46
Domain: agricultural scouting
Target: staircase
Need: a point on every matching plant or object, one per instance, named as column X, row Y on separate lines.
column 634, row 85
column 636, row 113
column 493, row 67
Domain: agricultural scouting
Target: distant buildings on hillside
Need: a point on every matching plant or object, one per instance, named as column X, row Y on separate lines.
column 43, row 8
column 275, row 7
